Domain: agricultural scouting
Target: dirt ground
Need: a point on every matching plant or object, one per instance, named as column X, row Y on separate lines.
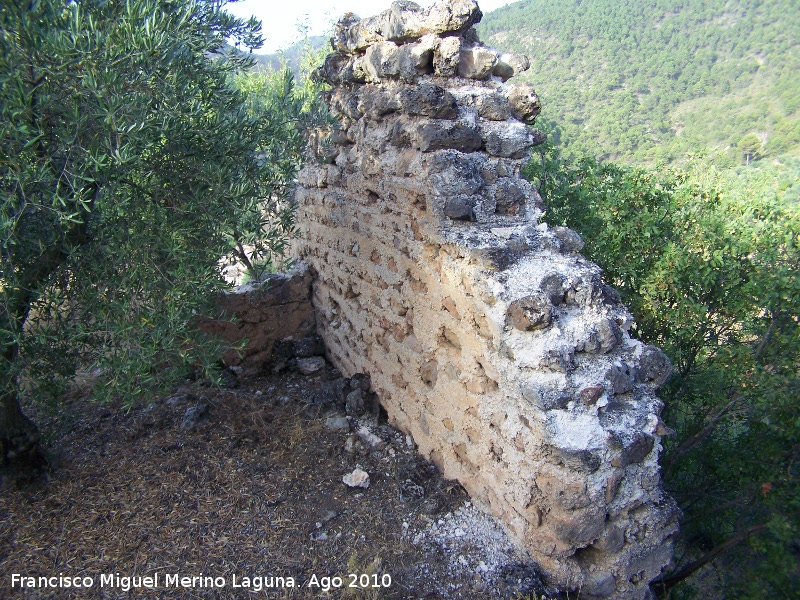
column 248, row 504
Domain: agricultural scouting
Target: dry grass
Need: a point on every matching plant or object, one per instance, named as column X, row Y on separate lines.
column 135, row 494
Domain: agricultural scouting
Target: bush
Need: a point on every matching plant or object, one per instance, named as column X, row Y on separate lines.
column 708, row 262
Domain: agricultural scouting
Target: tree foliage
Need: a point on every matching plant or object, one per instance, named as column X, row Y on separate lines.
column 708, row 264
column 129, row 165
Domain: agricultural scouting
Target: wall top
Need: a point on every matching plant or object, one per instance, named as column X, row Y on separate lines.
column 406, row 42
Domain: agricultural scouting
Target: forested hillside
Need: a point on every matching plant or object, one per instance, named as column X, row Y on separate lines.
column 647, row 82
column 674, row 148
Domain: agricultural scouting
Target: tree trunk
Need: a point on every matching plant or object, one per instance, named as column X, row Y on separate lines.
column 663, row 584
column 21, row 457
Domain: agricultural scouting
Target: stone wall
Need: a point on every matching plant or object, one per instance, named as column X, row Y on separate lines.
column 275, row 310
column 485, row 333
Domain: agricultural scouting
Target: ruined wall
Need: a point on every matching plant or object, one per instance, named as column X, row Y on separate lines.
column 275, row 310
column 486, row 335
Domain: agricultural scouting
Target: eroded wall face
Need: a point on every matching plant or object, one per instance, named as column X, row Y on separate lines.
column 486, row 335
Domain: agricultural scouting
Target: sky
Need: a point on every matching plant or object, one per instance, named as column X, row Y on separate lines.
column 280, row 19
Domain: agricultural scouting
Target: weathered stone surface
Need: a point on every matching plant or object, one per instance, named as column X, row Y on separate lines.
column 404, row 21
column 571, row 240
column 485, row 334
column 634, row 450
column 196, row 416
column 524, row 102
column 476, row 62
column 277, row 308
column 357, row 478
column 354, row 402
column 493, row 106
column 511, row 195
column 531, row 312
column 415, row 60
column 592, row 393
column 440, row 135
column 382, row 60
column 309, row 366
column 337, row 424
column 507, row 140
column 460, row 208
column 544, row 399
column 428, row 100
column 509, row 65
column 654, row 366
column 446, row 56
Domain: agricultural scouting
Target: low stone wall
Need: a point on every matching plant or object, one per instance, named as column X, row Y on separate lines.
column 485, row 334
column 276, row 309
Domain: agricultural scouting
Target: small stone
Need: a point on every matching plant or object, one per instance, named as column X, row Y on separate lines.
column 569, row 240
column 590, row 395
column 196, row 416
column 337, row 424
column 619, row 379
column 229, row 379
column 369, row 438
column 654, row 367
column 357, row 478
column 524, row 102
column 311, row 365
column 360, row 381
column 476, row 62
column 553, row 286
column 331, row 392
column 410, row 491
column 308, row 347
column 602, row 339
column 181, row 399
column 319, row 536
column 328, row 516
column 445, row 57
column 662, row 429
column 531, row 313
column 635, row 450
column 509, row 65
column 544, row 399
column 538, row 136
column 354, row 402
column 459, row 208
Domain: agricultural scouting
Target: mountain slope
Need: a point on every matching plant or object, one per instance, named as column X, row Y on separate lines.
column 645, row 82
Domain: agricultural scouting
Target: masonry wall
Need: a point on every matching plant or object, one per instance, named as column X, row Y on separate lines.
column 486, row 335
column 261, row 314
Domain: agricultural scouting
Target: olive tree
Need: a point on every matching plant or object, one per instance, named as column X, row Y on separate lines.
column 129, row 165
